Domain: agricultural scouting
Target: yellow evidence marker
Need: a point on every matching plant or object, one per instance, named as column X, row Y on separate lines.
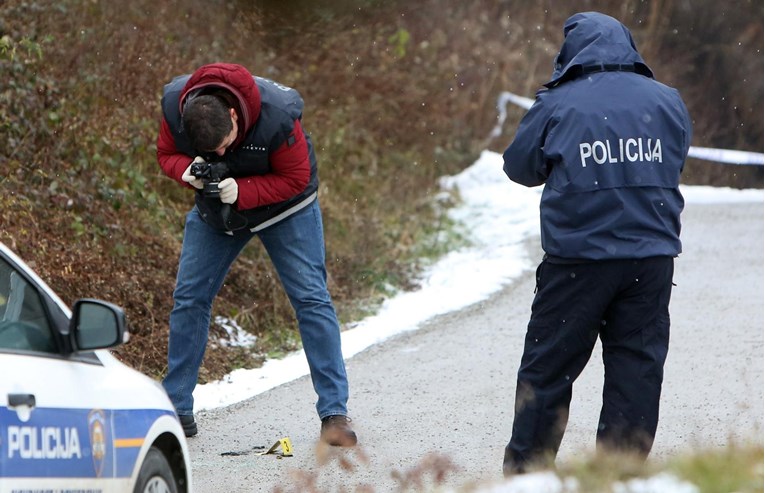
column 285, row 444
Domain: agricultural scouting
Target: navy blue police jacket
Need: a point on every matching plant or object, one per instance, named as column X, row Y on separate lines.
column 609, row 143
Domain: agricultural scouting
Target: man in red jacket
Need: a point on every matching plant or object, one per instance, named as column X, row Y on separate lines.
column 238, row 142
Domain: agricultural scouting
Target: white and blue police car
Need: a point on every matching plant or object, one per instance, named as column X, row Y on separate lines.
column 73, row 418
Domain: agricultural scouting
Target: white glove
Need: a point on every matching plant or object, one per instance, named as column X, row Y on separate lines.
column 191, row 179
column 229, row 190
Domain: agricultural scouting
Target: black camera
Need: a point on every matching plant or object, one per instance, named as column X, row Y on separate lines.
column 211, row 174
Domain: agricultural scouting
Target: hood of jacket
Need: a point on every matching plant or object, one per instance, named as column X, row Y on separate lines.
column 235, row 79
column 591, row 39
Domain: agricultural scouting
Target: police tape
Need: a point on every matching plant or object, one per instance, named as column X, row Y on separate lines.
column 728, row 156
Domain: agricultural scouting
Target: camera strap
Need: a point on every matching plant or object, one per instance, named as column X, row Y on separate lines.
column 232, row 219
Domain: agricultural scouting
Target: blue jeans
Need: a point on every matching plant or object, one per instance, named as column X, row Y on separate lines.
column 296, row 248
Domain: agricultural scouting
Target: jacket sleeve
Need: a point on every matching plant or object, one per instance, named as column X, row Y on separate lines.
column 172, row 161
column 688, row 128
column 290, row 173
column 524, row 159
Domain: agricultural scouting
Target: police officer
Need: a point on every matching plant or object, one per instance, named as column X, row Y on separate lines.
column 609, row 142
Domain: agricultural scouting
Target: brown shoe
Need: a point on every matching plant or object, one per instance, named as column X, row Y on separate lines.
column 336, row 430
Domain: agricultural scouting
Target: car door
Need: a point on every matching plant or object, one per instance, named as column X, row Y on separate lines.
column 55, row 420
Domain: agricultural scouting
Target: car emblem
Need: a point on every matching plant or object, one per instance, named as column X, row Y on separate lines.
column 97, row 428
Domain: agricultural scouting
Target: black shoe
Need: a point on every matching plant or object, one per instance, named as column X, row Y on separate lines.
column 510, row 466
column 336, row 430
column 189, row 424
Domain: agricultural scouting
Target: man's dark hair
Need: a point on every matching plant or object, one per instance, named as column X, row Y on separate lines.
column 206, row 121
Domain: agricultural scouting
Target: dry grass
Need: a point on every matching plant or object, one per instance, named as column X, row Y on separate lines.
column 735, row 469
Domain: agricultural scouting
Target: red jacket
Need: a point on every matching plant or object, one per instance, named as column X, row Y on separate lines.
column 288, row 169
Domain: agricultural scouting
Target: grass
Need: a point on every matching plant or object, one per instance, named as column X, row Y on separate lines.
column 737, row 468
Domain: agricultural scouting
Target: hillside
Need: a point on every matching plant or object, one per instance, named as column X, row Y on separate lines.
column 397, row 94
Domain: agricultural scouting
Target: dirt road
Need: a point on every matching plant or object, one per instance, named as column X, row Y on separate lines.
column 445, row 391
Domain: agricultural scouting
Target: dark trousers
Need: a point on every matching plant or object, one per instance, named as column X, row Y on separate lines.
column 626, row 304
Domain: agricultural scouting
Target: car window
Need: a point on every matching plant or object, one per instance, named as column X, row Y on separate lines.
column 23, row 321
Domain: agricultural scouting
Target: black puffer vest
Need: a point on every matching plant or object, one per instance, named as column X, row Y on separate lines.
column 280, row 107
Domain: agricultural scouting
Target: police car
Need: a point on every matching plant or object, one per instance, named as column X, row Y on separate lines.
column 72, row 417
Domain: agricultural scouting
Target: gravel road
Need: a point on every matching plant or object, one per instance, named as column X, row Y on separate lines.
column 444, row 393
